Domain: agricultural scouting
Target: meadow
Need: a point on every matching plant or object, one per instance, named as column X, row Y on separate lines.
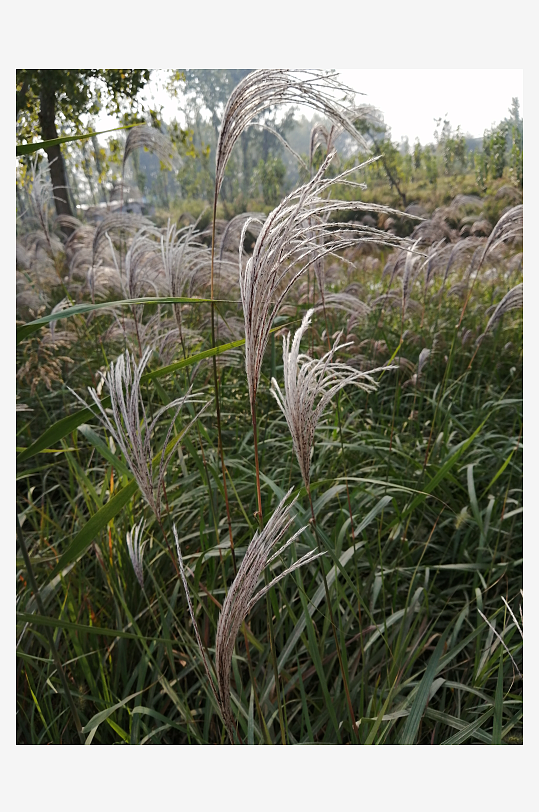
column 269, row 471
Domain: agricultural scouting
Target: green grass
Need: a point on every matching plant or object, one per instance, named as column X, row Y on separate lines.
column 434, row 477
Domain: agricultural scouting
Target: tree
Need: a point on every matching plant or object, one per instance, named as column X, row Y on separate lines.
column 431, row 165
column 494, row 149
column 417, row 154
column 271, row 174
column 52, row 99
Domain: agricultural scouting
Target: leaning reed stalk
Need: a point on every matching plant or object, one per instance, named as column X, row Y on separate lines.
column 242, row 597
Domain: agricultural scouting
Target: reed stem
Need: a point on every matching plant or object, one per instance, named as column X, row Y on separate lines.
column 216, row 387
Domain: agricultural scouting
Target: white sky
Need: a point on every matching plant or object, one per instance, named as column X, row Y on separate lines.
column 411, row 99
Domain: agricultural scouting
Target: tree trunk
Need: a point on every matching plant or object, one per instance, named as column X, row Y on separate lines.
column 56, row 162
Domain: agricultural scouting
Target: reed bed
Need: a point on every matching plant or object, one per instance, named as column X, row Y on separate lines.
column 366, row 481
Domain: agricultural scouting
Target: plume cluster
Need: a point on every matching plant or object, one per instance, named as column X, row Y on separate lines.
column 309, row 386
column 131, row 431
column 294, row 234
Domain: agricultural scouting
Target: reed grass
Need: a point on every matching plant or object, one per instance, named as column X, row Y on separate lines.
column 395, row 634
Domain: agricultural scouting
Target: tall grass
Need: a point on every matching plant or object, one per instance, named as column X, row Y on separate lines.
column 405, row 630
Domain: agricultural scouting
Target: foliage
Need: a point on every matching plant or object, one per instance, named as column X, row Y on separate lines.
column 271, row 176
column 76, row 93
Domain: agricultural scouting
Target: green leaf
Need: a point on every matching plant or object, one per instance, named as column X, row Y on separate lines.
column 77, row 310
column 93, row 526
column 59, row 430
column 55, row 623
column 94, row 439
column 193, row 359
column 421, row 698
column 27, row 149
column 458, row 724
column 464, row 734
column 500, row 471
column 498, row 705
column 446, row 467
column 68, row 424
column 159, row 716
column 251, row 720
column 96, row 720
column 372, row 733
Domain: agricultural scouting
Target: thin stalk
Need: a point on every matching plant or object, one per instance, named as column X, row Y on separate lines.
column 332, row 621
column 259, row 516
column 216, row 386
column 274, row 660
column 259, row 513
column 48, row 633
column 340, row 425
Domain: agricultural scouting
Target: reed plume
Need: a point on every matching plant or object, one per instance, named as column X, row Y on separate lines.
column 509, row 226
column 121, row 221
column 131, row 432
column 151, row 139
column 41, row 195
column 184, row 258
column 243, row 595
column 266, row 88
column 292, row 236
column 309, row 386
column 513, row 300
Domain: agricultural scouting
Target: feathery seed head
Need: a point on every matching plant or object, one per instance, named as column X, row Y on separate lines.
column 309, row 386
column 268, row 87
column 293, row 237
column 152, row 139
column 131, row 431
column 513, row 300
column 242, row 595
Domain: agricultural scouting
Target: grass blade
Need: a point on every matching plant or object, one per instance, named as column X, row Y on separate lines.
column 78, row 310
column 463, row 735
column 498, row 705
column 93, row 526
column 421, row 698
column 27, row 149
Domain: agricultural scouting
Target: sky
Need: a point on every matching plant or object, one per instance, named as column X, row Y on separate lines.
column 410, row 99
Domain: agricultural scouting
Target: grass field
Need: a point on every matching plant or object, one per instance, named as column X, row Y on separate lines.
column 407, row 629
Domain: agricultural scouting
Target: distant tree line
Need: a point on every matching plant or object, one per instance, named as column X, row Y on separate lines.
column 52, row 103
